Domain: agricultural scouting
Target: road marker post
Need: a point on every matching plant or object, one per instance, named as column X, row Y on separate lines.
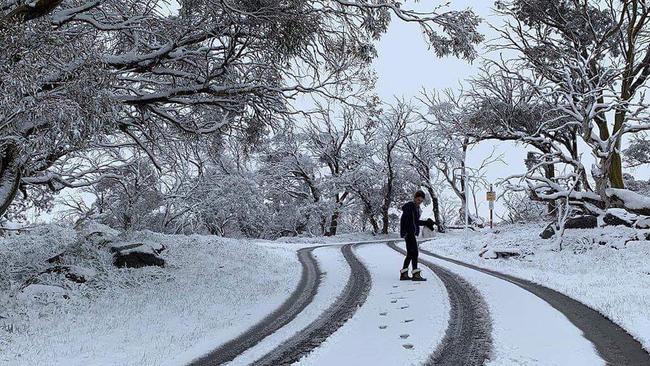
column 491, row 196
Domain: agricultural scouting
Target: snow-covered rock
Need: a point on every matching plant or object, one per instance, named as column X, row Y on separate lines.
column 643, row 223
column 496, row 253
column 548, row 232
column 617, row 216
column 137, row 255
column 581, row 222
column 97, row 233
column 576, row 222
column 631, row 200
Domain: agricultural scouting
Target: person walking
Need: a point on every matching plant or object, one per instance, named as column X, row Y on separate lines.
column 409, row 229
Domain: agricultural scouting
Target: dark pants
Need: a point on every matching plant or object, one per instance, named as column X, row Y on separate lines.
column 411, row 251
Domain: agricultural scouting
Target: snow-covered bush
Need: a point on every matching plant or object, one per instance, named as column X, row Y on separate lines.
column 521, row 209
column 129, row 198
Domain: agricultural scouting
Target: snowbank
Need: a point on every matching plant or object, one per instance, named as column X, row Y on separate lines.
column 606, row 268
column 210, row 290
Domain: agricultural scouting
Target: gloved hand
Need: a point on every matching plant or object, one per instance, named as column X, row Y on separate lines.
column 430, row 224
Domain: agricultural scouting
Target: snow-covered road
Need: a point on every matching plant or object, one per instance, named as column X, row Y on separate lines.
column 361, row 314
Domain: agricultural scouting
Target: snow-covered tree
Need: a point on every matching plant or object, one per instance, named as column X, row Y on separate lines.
column 77, row 75
column 130, row 198
column 590, row 62
column 329, row 137
column 392, row 130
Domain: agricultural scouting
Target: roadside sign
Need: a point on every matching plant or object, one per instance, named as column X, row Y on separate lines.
column 491, row 196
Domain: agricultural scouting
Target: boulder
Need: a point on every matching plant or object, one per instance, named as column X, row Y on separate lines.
column 613, row 220
column 548, row 232
column 643, row 223
column 618, row 217
column 137, row 256
column 124, row 247
column 576, row 222
column 581, row 222
column 499, row 253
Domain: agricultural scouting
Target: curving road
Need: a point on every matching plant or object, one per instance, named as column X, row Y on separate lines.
column 468, row 339
column 299, row 299
column 614, row 345
column 353, row 296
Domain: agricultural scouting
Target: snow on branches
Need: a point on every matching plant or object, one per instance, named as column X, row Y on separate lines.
column 84, row 76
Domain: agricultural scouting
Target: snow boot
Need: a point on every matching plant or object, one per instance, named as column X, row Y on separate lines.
column 417, row 276
column 404, row 274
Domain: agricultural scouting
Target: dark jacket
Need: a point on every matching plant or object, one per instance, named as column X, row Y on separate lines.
column 410, row 221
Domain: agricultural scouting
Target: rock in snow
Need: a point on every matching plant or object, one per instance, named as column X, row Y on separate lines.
column 499, row 253
column 548, row 232
column 632, row 201
column 577, row 222
column 617, row 216
column 581, row 222
column 643, row 223
column 137, row 255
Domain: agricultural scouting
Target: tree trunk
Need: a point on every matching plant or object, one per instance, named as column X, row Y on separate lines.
column 436, row 209
column 384, row 223
column 388, row 198
column 615, row 171
column 374, row 223
column 549, row 171
column 334, row 221
column 10, row 175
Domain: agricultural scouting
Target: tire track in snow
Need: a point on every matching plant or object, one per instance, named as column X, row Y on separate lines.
column 468, row 338
column 613, row 343
column 299, row 299
column 353, row 296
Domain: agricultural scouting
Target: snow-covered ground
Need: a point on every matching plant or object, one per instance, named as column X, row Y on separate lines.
column 211, row 290
column 596, row 266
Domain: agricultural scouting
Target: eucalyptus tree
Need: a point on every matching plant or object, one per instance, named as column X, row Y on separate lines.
column 330, row 134
column 76, row 75
column 593, row 58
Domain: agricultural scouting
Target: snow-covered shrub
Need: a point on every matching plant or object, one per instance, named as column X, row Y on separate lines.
column 230, row 205
column 129, row 197
column 521, row 209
